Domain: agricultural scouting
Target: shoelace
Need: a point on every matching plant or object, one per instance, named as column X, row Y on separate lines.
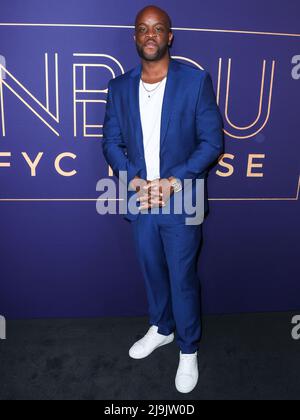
column 185, row 360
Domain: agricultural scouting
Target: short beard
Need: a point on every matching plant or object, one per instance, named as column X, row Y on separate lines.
column 160, row 53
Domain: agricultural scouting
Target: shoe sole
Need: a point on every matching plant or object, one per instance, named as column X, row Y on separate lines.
column 169, row 341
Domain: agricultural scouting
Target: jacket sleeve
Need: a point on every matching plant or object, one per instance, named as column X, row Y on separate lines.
column 113, row 145
column 209, row 132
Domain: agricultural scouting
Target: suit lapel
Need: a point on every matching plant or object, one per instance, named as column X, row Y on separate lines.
column 168, row 101
column 134, row 104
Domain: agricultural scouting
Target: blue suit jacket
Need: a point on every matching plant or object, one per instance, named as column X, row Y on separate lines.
column 191, row 127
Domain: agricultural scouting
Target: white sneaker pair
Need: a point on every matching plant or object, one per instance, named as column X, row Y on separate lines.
column 187, row 373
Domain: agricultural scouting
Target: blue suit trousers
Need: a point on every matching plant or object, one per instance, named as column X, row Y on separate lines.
column 168, row 254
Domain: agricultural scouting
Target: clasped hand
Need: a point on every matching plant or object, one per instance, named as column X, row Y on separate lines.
column 153, row 193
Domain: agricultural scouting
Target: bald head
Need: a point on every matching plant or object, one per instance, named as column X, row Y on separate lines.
column 153, row 11
column 153, row 22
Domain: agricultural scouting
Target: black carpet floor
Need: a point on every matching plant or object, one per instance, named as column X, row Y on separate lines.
column 242, row 357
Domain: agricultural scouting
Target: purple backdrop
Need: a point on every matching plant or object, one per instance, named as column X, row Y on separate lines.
column 59, row 258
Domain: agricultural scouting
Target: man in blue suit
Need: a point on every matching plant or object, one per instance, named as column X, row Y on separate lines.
column 163, row 129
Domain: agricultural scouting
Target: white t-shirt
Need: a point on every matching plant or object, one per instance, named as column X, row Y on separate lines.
column 150, row 110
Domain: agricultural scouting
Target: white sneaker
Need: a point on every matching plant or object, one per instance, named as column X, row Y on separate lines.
column 151, row 341
column 187, row 373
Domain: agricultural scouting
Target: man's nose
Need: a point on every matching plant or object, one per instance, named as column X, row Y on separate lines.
column 151, row 34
